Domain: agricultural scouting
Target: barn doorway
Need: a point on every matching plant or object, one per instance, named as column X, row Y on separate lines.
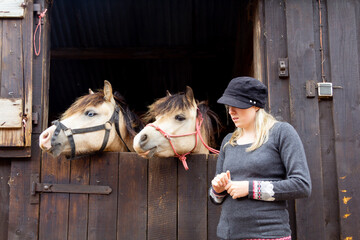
column 147, row 47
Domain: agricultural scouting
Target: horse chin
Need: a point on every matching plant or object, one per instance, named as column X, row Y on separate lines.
column 149, row 153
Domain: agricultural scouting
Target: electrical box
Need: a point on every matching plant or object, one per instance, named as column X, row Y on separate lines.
column 325, row 89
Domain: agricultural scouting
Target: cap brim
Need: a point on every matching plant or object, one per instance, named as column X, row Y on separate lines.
column 233, row 102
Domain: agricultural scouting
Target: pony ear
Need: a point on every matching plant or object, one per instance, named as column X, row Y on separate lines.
column 189, row 93
column 168, row 93
column 91, row 91
column 108, row 93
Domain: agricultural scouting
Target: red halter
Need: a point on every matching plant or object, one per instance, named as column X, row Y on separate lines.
column 197, row 132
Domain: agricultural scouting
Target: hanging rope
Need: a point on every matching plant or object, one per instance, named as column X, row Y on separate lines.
column 41, row 15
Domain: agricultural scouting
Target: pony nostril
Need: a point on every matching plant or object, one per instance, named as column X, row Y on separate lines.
column 143, row 138
column 45, row 135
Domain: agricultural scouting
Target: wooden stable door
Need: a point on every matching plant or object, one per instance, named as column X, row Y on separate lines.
column 149, row 199
column 16, row 32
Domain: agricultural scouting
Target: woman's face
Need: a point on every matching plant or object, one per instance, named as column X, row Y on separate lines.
column 243, row 118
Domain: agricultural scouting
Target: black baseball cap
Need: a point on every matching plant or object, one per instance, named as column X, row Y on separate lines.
column 244, row 92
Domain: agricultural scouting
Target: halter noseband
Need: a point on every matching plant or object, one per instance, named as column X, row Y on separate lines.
column 106, row 126
column 182, row 157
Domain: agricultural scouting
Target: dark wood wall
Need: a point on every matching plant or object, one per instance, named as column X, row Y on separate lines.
column 327, row 127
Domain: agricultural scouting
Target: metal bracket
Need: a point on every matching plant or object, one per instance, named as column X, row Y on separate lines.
column 310, row 88
column 283, row 65
column 36, row 187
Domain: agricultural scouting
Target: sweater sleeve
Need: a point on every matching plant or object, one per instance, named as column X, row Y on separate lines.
column 218, row 198
column 297, row 183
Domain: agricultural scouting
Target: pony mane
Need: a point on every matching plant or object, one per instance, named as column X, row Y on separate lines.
column 132, row 121
column 210, row 119
column 83, row 102
column 167, row 104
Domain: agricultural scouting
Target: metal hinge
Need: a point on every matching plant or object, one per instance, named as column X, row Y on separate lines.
column 37, row 187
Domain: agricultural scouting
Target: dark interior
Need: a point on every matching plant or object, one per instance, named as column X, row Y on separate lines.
column 146, row 47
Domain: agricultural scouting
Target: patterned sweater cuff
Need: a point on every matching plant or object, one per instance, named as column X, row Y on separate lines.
column 217, row 197
column 261, row 190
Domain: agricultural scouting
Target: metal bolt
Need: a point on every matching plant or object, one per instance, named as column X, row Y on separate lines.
column 46, row 187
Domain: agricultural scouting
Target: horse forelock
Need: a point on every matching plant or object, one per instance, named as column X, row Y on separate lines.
column 168, row 104
column 84, row 102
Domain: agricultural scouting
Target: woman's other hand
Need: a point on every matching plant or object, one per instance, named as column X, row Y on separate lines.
column 220, row 181
column 237, row 189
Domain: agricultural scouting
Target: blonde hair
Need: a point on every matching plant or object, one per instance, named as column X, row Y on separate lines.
column 263, row 123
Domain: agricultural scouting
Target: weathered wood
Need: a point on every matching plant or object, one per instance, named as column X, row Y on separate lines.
column 213, row 210
column 27, row 36
column 326, row 120
column 345, row 72
column 275, row 38
column 12, row 75
column 102, row 208
column 23, row 216
column 15, row 152
column 5, row 167
column 11, row 112
column 11, row 8
column 162, row 198
column 276, row 47
column 192, row 198
column 132, row 197
column 54, row 207
column 79, row 203
column 259, row 69
column 305, row 113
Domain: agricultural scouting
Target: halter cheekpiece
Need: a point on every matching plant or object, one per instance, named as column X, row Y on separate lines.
column 106, row 126
column 182, row 157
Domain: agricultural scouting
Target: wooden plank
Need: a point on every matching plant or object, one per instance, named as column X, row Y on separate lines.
column 12, row 75
column 131, row 53
column 192, row 198
column 11, row 112
column 278, row 97
column 104, row 170
column 79, row 203
column 23, row 216
column 5, row 168
column 345, row 72
column 259, row 69
column 162, row 198
column 132, row 197
column 54, row 207
column 11, row 9
column 27, row 31
column 276, row 42
column 326, row 120
column 304, row 113
column 213, row 210
column 15, row 152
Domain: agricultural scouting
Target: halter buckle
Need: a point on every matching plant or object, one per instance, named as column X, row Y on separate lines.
column 68, row 132
column 107, row 125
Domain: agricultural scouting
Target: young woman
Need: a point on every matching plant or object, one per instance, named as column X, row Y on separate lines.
column 260, row 166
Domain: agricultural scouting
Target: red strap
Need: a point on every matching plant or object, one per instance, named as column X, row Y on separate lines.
column 182, row 158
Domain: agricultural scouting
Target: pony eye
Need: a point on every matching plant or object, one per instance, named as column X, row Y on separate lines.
column 90, row 113
column 180, row 118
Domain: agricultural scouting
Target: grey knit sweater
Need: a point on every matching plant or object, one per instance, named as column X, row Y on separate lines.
column 277, row 171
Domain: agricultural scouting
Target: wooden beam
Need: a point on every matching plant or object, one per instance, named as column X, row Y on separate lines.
column 132, row 53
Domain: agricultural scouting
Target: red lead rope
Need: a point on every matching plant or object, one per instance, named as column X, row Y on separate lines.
column 37, row 53
column 182, row 157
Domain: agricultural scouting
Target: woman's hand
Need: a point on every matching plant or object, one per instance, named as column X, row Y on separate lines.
column 220, row 181
column 237, row 189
